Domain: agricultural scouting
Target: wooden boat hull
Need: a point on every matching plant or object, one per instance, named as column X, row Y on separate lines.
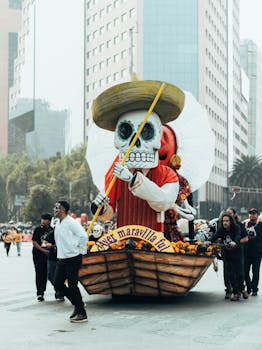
column 141, row 273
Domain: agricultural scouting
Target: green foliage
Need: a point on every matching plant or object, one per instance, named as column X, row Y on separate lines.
column 247, row 172
column 40, row 201
column 43, row 182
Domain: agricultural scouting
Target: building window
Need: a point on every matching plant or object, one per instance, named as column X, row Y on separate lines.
column 116, row 76
column 123, row 72
column 108, row 79
column 12, row 54
column 124, row 54
column 132, row 12
column 109, row 61
column 109, row 43
column 124, row 36
column 109, row 8
column 124, row 17
column 102, row 30
column 116, row 21
column 101, row 65
column 116, row 58
column 109, row 26
column 15, row 4
column 116, row 39
column 102, row 12
column 116, row 3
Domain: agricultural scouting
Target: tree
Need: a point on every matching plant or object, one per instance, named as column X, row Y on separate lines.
column 247, row 172
column 3, row 200
column 40, row 201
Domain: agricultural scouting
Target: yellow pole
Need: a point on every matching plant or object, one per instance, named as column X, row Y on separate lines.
column 161, row 89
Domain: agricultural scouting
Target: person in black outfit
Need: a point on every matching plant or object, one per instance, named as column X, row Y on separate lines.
column 40, row 255
column 49, row 243
column 253, row 251
column 243, row 239
column 229, row 233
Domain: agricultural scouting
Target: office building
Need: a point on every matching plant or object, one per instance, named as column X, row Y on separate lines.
column 251, row 61
column 10, row 23
column 189, row 43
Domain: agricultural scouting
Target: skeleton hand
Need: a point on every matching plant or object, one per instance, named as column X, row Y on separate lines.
column 100, row 199
column 122, row 172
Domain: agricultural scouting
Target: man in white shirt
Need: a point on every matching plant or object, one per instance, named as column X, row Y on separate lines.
column 71, row 239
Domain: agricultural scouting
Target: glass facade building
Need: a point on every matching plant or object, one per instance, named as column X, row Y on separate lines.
column 170, row 46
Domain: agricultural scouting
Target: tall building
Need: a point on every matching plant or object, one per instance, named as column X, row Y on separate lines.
column 34, row 127
column 193, row 44
column 10, row 22
column 251, row 61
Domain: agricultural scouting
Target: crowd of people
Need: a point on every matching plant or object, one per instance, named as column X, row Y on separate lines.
column 241, row 252
column 60, row 241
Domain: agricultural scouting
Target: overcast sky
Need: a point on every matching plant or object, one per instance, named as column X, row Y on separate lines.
column 59, row 52
column 251, row 21
column 59, row 57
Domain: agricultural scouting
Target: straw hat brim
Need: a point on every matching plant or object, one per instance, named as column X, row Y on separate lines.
column 136, row 95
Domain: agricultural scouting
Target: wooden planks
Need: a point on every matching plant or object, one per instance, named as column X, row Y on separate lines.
column 134, row 272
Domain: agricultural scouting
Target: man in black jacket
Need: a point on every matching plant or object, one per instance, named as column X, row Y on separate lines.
column 253, row 251
column 229, row 233
column 40, row 255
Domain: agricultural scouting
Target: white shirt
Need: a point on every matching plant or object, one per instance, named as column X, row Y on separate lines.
column 70, row 238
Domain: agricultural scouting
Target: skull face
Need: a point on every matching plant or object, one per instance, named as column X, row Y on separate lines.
column 144, row 154
column 97, row 231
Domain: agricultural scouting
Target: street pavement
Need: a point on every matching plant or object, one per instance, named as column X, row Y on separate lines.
column 201, row 320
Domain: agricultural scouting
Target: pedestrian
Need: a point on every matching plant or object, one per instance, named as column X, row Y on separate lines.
column 71, row 240
column 18, row 239
column 243, row 239
column 229, row 233
column 253, row 251
column 49, row 243
column 8, row 238
column 40, row 255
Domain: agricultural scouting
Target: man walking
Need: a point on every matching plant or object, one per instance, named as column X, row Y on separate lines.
column 71, row 240
column 253, row 251
column 40, row 255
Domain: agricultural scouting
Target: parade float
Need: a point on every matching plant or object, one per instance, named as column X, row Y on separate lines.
column 163, row 150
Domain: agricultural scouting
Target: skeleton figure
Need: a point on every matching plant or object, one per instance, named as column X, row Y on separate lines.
column 144, row 189
column 144, row 154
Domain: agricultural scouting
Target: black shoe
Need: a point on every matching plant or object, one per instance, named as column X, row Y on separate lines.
column 74, row 313
column 40, row 298
column 254, row 294
column 228, row 295
column 79, row 318
column 235, row 297
column 245, row 294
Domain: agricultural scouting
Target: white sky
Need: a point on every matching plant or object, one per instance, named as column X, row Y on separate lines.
column 59, row 57
column 251, row 21
column 59, row 53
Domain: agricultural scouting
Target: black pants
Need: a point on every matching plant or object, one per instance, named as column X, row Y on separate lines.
column 40, row 262
column 233, row 271
column 254, row 262
column 7, row 248
column 67, row 269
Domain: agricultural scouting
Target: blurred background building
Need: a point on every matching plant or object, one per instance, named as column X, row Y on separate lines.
column 10, row 24
column 251, row 61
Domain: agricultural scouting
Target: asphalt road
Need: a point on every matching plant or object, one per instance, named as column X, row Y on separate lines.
column 201, row 320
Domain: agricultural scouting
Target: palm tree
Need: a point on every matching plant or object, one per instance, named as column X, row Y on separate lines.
column 247, row 172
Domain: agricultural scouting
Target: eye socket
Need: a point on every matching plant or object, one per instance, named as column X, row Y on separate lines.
column 148, row 132
column 124, row 130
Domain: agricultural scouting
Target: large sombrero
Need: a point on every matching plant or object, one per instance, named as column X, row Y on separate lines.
column 136, row 95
